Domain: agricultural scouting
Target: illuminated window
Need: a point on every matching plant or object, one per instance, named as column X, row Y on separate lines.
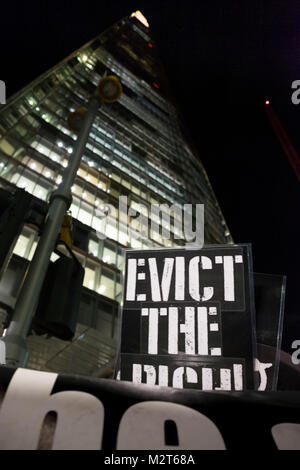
column 54, row 257
column 136, row 242
column 107, row 284
column 120, row 259
column 40, row 192
column 75, row 208
column 93, row 247
column 123, row 236
column 85, row 214
column 126, row 183
column 111, row 229
column 88, row 196
column 109, row 254
column 21, row 245
column 26, row 184
column 76, row 189
column 89, row 277
column 98, row 223
column 26, row 243
column 116, row 177
column 33, row 165
column 6, row 147
column 42, row 149
column 92, row 179
column 135, row 189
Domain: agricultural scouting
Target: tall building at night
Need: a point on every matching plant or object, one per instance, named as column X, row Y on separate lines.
column 136, row 148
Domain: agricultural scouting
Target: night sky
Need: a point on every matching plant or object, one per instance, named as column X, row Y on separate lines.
column 223, row 59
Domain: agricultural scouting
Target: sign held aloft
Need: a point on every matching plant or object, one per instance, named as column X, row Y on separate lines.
column 188, row 318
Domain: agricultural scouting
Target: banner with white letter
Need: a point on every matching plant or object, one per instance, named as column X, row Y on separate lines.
column 47, row 411
column 192, row 306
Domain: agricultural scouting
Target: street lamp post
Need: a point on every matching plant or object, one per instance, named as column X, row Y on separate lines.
column 16, row 352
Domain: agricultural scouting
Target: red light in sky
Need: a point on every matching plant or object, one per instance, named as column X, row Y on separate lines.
column 150, row 45
column 267, row 102
column 155, row 84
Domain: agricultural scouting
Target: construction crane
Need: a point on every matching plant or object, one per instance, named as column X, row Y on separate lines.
column 284, row 139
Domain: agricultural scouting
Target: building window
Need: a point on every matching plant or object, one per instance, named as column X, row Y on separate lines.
column 89, row 275
column 109, row 254
column 107, row 284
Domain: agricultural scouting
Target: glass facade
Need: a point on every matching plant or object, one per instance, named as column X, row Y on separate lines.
column 136, row 149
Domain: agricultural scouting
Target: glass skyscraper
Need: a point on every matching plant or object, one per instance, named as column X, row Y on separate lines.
column 137, row 148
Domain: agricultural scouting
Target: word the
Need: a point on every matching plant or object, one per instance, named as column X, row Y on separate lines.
column 199, row 324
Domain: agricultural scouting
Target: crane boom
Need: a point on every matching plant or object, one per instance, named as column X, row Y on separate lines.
column 284, row 139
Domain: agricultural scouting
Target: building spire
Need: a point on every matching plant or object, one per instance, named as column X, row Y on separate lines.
column 139, row 15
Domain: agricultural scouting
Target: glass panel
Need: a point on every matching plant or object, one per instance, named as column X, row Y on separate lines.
column 116, row 177
column 111, row 230
column 88, row 196
column 54, row 257
column 74, row 208
column 81, row 173
column 107, row 284
column 34, row 245
column 126, row 183
column 40, row 192
column 92, row 179
column 98, row 223
column 48, row 173
column 76, row 189
column 15, row 178
column 123, row 236
column 135, row 243
column 85, row 214
column 26, row 183
column 36, row 166
column 43, row 149
column 21, row 245
column 109, row 254
column 120, row 262
column 89, row 277
column 93, row 247
column 104, row 323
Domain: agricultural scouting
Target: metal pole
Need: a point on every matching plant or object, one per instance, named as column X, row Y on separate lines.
column 15, row 339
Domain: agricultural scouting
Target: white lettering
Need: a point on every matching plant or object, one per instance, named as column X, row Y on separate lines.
column 142, row 427
column 27, row 401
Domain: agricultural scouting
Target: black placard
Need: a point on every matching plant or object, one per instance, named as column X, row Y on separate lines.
column 190, row 302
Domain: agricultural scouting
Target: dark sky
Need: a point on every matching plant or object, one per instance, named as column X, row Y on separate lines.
column 223, row 59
